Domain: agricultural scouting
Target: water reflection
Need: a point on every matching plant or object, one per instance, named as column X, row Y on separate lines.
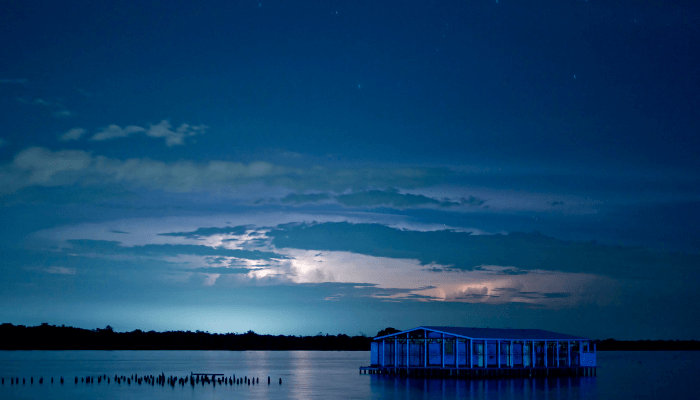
column 516, row 388
column 302, row 381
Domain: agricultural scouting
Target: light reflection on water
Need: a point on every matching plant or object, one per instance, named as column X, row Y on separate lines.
column 331, row 375
column 517, row 388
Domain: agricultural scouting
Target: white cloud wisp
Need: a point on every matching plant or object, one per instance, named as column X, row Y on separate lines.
column 161, row 130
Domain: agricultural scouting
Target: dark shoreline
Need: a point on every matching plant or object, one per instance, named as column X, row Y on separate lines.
column 647, row 345
column 49, row 337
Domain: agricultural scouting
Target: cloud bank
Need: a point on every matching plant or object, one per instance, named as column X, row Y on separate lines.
column 466, row 252
column 37, row 166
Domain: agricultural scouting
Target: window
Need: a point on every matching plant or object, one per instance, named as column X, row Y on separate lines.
column 492, row 348
column 478, row 353
column 505, row 354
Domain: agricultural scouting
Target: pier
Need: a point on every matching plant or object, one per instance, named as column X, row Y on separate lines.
column 478, row 353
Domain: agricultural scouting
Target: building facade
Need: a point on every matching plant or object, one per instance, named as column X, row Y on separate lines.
column 455, row 349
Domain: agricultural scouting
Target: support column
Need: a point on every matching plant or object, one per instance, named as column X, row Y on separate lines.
column 456, row 352
column 580, row 351
column 486, row 353
column 532, row 355
column 383, row 351
column 442, row 356
column 425, row 348
column 568, row 353
column 510, row 354
column 557, row 354
column 396, row 353
column 498, row 353
column 470, row 353
column 545, row 354
column 408, row 351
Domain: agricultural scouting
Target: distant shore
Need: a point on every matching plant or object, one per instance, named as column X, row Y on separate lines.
column 647, row 345
column 50, row 337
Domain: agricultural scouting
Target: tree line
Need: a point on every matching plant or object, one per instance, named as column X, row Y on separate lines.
column 50, row 337
column 646, row 345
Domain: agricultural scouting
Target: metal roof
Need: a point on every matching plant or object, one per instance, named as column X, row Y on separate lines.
column 495, row 333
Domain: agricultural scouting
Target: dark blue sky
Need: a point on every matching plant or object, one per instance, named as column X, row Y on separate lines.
column 467, row 163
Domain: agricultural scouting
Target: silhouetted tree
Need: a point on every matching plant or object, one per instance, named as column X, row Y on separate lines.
column 387, row 331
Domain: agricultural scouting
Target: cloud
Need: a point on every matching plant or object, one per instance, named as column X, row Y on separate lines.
column 473, row 201
column 38, row 166
column 43, row 167
column 3, row 142
column 73, row 134
column 514, row 293
column 221, row 270
column 60, row 270
column 60, row 109
column 470, row 293
column 227, row 230
column 356, row 290
column 519, row 252
column 305, row 266
column 512, row 271
column 500, row 295
column 108, row 248
column 305, row 198
column 161, row 130
column 176, row 137
column 373, row 198
column 389, row 197
column 114, row 131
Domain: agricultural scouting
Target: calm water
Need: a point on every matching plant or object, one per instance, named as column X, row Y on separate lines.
column 332, row 375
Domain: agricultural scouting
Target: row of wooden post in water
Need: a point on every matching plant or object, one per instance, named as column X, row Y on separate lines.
column 162, row 380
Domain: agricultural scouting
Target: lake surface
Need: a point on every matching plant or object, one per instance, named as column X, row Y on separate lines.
column 330, row 375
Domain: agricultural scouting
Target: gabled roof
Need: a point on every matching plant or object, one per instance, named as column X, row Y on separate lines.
column 494, row 333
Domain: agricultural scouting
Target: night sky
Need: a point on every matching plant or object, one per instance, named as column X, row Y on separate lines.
column 294, row 167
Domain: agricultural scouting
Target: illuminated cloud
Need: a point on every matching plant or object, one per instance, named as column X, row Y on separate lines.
column 396, row 278
column 467, row 252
